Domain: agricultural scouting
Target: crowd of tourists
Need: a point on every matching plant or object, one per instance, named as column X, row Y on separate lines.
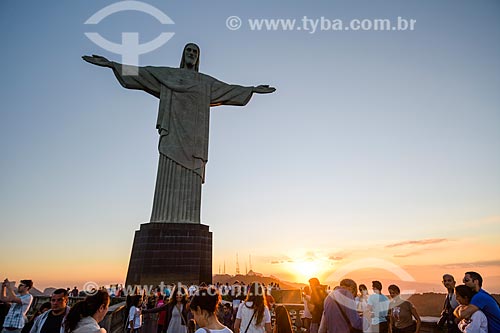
column 241, row 308
column 348, row 308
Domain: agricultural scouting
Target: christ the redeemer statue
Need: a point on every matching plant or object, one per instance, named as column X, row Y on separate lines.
column 183, row 122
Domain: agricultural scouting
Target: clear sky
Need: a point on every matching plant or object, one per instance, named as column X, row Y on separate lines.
column 376, row 144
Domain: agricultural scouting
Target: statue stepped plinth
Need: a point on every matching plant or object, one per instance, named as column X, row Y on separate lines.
column 171, row 252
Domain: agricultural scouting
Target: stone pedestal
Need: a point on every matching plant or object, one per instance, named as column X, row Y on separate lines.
column 171, row 252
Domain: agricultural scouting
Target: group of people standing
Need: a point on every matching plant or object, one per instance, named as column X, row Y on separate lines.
column 343, row 310
column 467, row 308
column 56, row 316
column 180, row 313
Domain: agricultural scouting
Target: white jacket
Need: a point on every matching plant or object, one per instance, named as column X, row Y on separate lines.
column 40, row 320
column 88, row 325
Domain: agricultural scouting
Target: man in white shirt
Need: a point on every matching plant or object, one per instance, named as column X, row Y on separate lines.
column 52, row 321
column 20, row 303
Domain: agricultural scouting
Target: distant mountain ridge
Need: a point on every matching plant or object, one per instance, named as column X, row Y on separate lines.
column 252, row 276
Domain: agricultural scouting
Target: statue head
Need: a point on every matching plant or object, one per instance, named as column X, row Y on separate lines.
column 191, row 57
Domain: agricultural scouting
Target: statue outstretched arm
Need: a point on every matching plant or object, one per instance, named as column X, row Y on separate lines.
column 97, row 60
column 139, row 80
column 264, row 89
column 230, row 94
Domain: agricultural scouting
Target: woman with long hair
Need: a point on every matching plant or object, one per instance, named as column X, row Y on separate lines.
column 134, row 319
column 84, row 316
column 204, row 306
column 477, row 322
column 283, row 323
column 253, row 315
column 176, row 309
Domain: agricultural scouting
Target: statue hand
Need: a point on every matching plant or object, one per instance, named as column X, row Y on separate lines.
column 97, row 60
column 264, row 89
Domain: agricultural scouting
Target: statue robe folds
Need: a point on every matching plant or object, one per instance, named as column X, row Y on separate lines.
column 183, row 123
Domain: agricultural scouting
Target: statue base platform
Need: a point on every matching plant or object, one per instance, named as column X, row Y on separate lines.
column 172, row 253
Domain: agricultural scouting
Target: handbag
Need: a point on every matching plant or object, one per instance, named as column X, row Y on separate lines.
column 447, row 318
column 351, row 329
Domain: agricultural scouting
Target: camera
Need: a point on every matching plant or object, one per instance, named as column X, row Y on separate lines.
column 446, row 319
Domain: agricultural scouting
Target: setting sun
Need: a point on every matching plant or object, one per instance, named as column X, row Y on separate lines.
column 304, row 270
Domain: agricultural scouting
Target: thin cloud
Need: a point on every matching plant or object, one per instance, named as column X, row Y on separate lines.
column 406, row 255
column 279, row 260
column 338, row 256
column 471, row 264
column 418, row 242
column 272, row 259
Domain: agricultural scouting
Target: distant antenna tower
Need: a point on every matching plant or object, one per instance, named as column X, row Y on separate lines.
column 237, row 265
column 246, row 269
column 250, row 261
